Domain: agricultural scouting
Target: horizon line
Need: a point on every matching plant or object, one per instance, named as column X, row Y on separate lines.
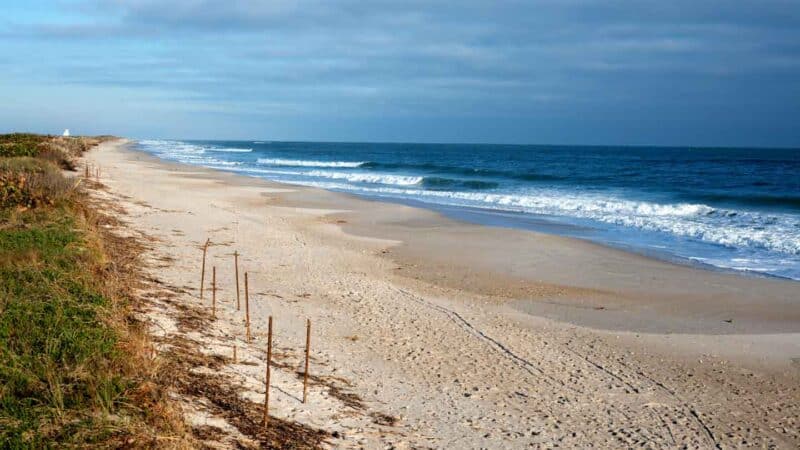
column 315, row 141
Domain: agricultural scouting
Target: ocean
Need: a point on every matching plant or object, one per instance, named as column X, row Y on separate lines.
column 733, row 209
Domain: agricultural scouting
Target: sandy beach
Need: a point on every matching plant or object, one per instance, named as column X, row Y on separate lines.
column 429, row 332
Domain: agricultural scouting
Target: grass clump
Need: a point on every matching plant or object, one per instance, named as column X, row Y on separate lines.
column 30, row 166
column 30, row 182
column 56, row 154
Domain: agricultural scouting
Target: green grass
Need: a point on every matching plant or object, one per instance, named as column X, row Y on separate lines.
column 57, row 354
column 74, row 371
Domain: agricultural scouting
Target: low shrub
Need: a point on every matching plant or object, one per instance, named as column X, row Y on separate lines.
column 21, row 137
column 20, row 144
column 50, row 151
column 18, row 149
column 31, row 182
column 76, row 146
column 61, row 150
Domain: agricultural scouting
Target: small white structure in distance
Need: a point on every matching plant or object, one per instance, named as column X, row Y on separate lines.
column 66, row 132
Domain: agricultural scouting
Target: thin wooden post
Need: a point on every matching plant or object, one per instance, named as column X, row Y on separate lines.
column 203, row 270
column 246, row 308
column 214, row 292
column 236, row 263
column 269, row 362
column 234, row 353
column 86, row 171
column 308, row 348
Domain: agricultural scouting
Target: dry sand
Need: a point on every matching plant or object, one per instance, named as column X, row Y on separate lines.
column 433, row 333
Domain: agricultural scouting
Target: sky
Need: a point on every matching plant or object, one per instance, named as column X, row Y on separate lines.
column 613, row 72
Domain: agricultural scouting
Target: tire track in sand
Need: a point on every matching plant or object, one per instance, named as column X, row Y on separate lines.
column 535, row 370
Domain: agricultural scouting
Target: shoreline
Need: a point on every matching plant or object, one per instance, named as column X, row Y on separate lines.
column 611, row 290
column 695, row 308
column 543, row 225
column 667, row 224
column 471, row 330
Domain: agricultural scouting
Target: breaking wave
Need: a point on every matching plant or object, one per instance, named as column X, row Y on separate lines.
column 230, row 149
column 304, row 163
column 398, row 180
column 729, row 228
column 434, row 183
column 748, row 221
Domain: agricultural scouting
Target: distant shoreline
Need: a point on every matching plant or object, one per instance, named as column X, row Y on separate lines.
column 680, row 283
column 744, row 231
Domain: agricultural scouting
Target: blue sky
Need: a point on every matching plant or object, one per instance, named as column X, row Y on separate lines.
column 674, row 72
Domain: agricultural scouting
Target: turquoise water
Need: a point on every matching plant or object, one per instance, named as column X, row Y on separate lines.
column 737, row 209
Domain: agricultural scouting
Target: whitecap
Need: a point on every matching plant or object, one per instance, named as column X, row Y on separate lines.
column 399, row 180
column 230, row 149
column 743, row 230
column 305, row 163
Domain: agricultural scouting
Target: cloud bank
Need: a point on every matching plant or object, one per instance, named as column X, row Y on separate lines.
column 568, row 71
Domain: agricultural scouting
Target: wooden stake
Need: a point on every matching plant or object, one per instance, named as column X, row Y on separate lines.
column 234, row 353
column 236, row 263
column 246, row 308
column 269, row 362
column 214, row 292
column 308, row 348
column 203, row 270
column 86, row 172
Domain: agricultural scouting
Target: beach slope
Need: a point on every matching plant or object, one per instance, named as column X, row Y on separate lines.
column 427, row 332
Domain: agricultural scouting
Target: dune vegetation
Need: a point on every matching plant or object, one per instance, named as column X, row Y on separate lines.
column 75, row 367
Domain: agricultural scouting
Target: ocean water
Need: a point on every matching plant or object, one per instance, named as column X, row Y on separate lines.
column 734, row 209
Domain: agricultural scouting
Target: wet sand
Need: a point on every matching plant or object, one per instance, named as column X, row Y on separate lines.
column 565, row 278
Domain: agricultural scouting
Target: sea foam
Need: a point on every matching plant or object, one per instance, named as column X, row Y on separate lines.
column 304, row 163
column 230, row 149
column 722, row 227
column 398, row 180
